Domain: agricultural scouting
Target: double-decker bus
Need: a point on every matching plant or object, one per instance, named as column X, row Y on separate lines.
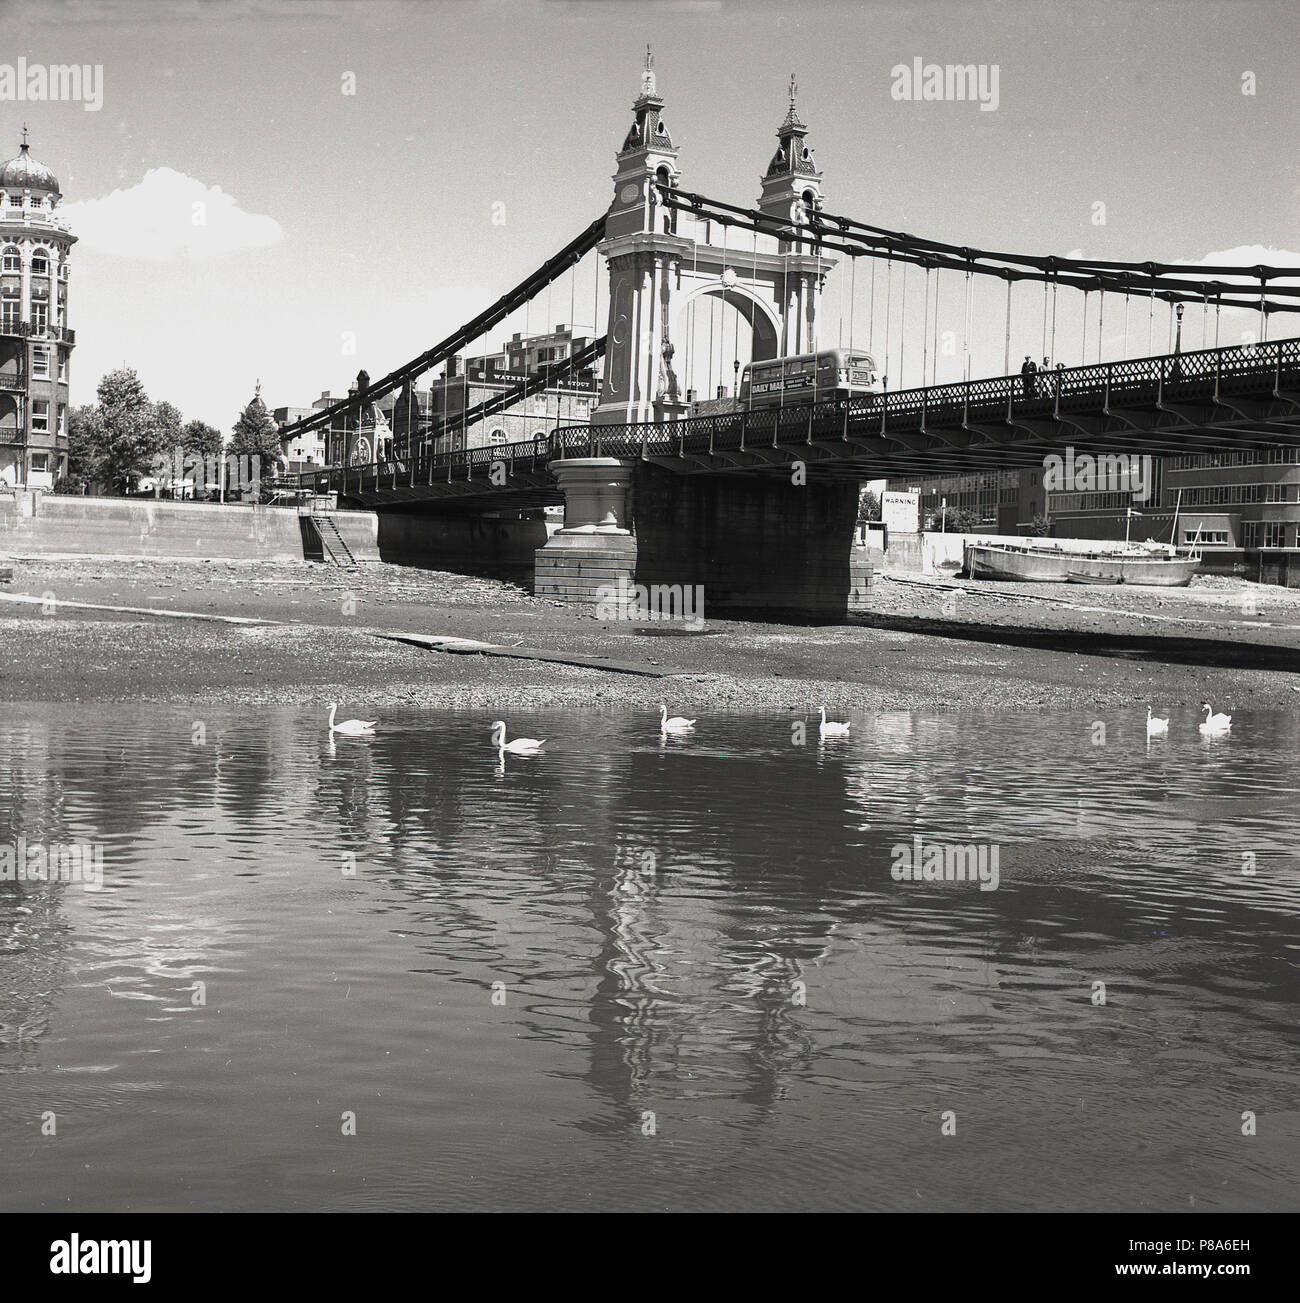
column 831, row 375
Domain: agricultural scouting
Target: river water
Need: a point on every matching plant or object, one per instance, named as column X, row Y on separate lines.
column 394, row 973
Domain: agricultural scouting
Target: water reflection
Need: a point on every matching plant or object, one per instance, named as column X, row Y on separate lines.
column 704, row 929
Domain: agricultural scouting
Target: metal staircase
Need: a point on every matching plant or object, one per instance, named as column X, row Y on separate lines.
column 320, row 535
column 333, row 545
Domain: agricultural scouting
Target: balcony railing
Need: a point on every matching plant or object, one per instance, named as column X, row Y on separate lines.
column 33, row 217
column 13, row 381
column 26, row 330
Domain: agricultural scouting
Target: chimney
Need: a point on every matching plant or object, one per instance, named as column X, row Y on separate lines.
column 453, row 367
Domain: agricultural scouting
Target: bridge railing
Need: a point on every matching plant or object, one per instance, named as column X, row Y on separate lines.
column 1205, row 374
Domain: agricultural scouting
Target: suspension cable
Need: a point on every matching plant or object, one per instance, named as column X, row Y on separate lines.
column 889, row 294
column 925, row 326
column 902, row 328
column 871, row 319
column 853, row 295
column 934, row 364
column 1006, row 348
column 1043, row 345
column 965, row 326
column 1054, row 289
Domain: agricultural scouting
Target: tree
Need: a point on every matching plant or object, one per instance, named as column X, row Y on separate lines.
column 199, row 439
column 255, row 435
column 86, row 438
column 131, row 435
column 1040, row 526
column 956, row 520
column 167, row 424
column 868, row 506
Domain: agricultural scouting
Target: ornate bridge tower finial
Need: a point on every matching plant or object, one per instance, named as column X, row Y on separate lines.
column 648, row 76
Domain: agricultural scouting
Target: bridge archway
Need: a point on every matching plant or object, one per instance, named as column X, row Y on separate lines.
column 705, row 355
column 764, row 324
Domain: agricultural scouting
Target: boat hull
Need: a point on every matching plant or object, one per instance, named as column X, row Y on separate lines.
column 1043, row 566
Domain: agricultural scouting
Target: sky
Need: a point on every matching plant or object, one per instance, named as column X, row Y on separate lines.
column 243, row 220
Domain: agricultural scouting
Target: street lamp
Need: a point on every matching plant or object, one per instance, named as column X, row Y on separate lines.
column 1178, row 340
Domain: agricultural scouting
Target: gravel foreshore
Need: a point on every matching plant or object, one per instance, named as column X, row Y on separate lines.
column 926, row 643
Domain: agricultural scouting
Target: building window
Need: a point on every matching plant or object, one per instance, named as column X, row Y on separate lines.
column 10, row 313
column 63, row 419
column 15, row 201
column 496, row 437
column 1275, row 533
column 40, row 416
column 40, row 263
column 12, row 259
column 40, row 316
column 63, row 364
column 1250, row 533
column 40, row 363
column 40, row 461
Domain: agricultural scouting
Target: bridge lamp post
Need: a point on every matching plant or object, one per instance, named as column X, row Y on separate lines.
column 735, row 393
column 1178, row 339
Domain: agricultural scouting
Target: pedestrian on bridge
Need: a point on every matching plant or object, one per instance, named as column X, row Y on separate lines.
column 1027, row 376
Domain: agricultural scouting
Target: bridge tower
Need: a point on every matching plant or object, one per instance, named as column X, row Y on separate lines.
column 640, row 383
column 792, row 188
column 658, row 267
column 746, row 543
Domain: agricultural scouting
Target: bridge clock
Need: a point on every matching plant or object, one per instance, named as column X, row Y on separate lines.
column 630, row 193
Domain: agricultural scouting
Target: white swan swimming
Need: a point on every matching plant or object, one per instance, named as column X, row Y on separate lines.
column 1213, row 723
column 832, row 729
column 1156, row 727
column 675, row 725
column 521, row 746
column 350, row 727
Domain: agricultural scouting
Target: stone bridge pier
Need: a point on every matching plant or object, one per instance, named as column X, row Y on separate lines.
column 747, row 545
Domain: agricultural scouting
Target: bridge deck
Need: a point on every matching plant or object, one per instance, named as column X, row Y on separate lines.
column 1244, row 397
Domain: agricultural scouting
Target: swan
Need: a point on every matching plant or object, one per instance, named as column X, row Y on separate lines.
column 832, row 729
column 675, row 725
column 1156, row 727
column 521, row 746
column 350, row 727
column 1212, row 723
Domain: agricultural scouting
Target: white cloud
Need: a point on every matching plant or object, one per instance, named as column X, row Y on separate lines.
column 1248, row 255
column 169, row 215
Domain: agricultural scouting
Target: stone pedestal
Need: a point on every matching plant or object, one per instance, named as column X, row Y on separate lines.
column 592, row 560
column 595, row 494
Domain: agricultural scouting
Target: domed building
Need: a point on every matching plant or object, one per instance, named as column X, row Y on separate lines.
column 35, row 342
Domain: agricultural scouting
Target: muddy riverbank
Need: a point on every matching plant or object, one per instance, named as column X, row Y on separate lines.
column 933, row 644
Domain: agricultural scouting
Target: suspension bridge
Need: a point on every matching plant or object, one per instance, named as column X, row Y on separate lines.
column 757, row 503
